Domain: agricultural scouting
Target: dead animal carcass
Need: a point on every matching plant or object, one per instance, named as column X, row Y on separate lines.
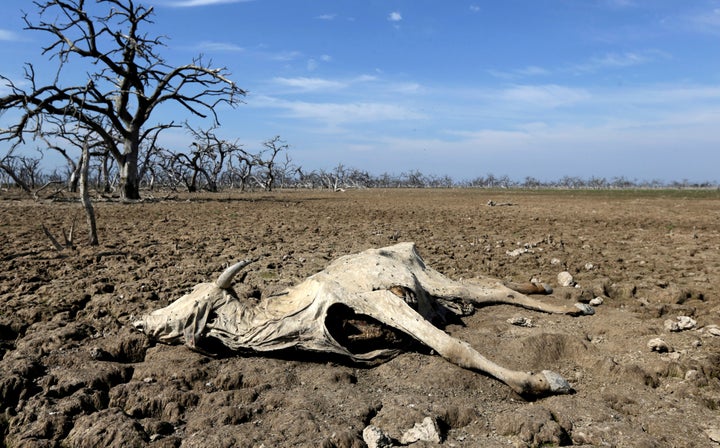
column 358, row 302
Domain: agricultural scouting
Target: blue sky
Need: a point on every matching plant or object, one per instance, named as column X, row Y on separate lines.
column 541, row 88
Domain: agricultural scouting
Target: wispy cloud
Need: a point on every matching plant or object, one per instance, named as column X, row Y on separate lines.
column 310, row 84
column 209, row 46
column 592, row 65
column 617, row 60
column 619, row 4
column 326, row 17
column 550, row 95
column 529, row 71
column 306, row 84
column 193, row 3
column 8, row 36
column 340, row 113
column 475, row 8
column 284, row 55
column 705, row 21
column 313, row 63
column 395, row 16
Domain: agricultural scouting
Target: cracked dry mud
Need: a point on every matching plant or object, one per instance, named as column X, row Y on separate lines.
column 74, row 374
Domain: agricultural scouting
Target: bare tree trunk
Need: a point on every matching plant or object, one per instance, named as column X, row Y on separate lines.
column 129, row 188
column 85, row 197
column 11, row 172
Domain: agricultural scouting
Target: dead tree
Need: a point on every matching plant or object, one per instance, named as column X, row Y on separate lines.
column 208, row 156
column 9, row 165
column 85, row 196
column 127, row 80
column 266, row 159
column 240, row 166
column 23, row 170
column 62, row 136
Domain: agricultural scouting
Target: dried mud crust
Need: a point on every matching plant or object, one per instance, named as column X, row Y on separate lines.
column 74, row 374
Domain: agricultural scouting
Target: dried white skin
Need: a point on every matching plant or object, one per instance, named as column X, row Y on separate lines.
column 391, row 285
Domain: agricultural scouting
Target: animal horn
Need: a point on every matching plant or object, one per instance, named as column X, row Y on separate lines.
column 225, row 279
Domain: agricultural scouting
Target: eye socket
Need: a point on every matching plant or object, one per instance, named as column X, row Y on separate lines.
column 405, row 293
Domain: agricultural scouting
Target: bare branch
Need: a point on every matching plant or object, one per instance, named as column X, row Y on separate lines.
column 124, row 66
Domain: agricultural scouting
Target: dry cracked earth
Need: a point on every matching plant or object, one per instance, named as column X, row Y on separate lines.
column 74, row 374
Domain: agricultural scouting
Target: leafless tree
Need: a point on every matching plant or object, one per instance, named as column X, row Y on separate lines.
column 9, row 164
column 85, row 195
column 239, row 169
column 127, row 81
column 266, row 159
column 208, row 156
column 285, row 171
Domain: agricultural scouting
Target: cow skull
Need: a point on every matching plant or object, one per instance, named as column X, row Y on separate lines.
column 389, row 288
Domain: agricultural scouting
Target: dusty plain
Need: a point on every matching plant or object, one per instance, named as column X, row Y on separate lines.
column 73, row 372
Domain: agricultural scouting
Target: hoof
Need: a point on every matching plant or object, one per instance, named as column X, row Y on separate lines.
column 585, row 310
column 558, row 384
column 546, row 289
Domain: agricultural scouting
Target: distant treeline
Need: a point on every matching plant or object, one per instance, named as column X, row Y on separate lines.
column 267, row 171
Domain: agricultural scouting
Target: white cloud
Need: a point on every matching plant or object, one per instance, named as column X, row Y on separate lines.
column 326, row 17
column 395, row 16
column 351, row 112
column 618, row 60
column 705, row 22
column 550, row 95
column 310, row 84
column 620, row 3
column 339, row 113
column 217, row 47
column 284, row 56
column 8, row 36
column 592, row 65
column 192, row 3
column 475, row 8
column 408, row 87
column 531, row 70
column 319, row 84
column 326, row 58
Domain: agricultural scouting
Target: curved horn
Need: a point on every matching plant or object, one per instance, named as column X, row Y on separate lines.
column 225, row 279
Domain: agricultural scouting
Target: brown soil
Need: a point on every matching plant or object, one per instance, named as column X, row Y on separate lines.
column 73, row 373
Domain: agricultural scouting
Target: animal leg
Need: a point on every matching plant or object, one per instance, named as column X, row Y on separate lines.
column 485, row 292
column 386, row 307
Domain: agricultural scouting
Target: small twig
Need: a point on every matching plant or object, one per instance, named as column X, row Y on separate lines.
column 69, row 236
column 52, row 239
column 36, row 194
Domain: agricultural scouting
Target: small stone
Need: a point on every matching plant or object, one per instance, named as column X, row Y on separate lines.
column 713, row 330
column 374, row 437
column 713, row 434
column 99, row 354
column 589, row 266
column 555, row 261
column 565, row 279
column 516, row 252
column 658, row 345
column 596, row 301
column 680, row 323
column 521, row 321
column 691, row 375
column 427, row 431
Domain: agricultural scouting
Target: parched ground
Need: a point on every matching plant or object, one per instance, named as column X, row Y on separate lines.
column 73, row 373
